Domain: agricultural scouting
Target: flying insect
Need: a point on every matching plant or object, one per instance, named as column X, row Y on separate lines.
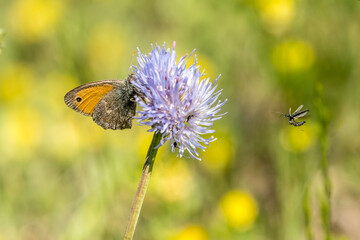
column 296, row 115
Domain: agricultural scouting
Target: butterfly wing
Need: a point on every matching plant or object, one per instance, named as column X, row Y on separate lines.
column 117, row 108
column 110, row 103
column 84, row 98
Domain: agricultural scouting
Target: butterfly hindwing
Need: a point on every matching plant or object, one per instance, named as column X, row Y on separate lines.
column 116, row 109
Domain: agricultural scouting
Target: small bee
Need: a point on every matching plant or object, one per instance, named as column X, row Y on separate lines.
column 296, row 115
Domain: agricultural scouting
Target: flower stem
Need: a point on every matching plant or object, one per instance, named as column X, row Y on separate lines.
column 307, row 213
column 143, row 184
column 324, row 164
column 326, row 203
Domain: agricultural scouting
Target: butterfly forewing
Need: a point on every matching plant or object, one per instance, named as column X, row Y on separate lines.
column 110, row 102
column 84, row 98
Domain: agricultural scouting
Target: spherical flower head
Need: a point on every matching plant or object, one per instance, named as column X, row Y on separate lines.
column 176, row 100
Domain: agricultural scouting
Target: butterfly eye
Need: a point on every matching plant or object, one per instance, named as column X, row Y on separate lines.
column 78, row 99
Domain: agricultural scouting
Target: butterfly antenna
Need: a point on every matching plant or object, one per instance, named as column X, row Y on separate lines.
column 130, row 63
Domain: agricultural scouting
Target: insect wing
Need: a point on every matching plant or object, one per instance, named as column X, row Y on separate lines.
column 84, row 98
column 300, row 114
column 297, row 110
column 116, row 109
column 110, row 102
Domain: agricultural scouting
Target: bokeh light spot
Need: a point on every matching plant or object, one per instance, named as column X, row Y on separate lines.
column 298, row 139
column 143, row 142
column 21, row 132
column 239, row 208
column 192, row 232
column 219, row 154
column 277, row 15
column 173, row 180
column 16, row 83
column 32, row 20
column 293, row 56
column 206, row 64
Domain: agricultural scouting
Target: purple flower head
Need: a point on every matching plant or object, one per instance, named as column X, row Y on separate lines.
column 175, row 100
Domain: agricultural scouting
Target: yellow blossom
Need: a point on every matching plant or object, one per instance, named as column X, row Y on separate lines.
column 219, row 154
column 206, row 65
column 192, row 232
column 16, row 83
column 239, row 209
column 143, row 143
column 277, row 15
column 298, row 139
column 293, row 56
column 173, row 180
column 32, row 20
column 21, row 131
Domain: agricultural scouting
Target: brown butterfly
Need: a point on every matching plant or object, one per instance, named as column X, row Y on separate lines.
column 110, row 103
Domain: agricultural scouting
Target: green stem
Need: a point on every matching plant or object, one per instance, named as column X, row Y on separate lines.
column 324, row 164
column 326, row 204
column 143, row 184
column 307, row 213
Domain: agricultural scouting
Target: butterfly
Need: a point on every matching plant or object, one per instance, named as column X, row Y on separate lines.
column 111, row 103
column 296, row 115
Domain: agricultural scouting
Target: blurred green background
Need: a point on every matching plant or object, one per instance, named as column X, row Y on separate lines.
column 64, row 177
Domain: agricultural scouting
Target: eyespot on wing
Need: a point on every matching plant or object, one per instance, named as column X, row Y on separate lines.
column 84, row 98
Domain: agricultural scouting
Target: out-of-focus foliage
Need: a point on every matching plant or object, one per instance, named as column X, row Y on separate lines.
column 64, row 177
